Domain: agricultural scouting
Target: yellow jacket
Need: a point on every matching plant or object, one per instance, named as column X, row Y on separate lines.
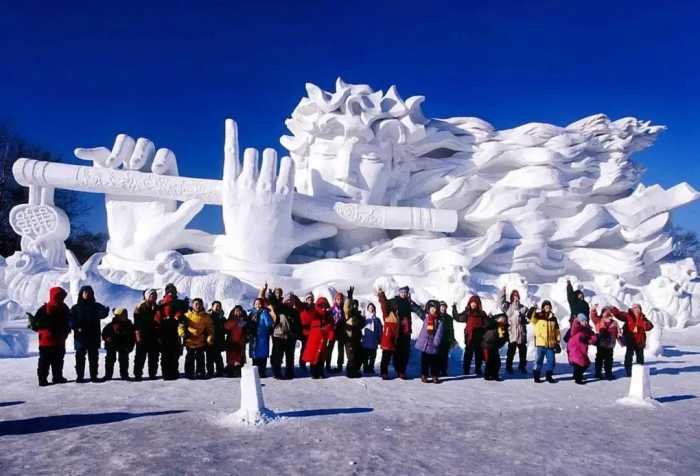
column 198, row 329
column 546, row 329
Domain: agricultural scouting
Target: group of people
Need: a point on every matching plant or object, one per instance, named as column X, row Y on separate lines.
column 162, row 330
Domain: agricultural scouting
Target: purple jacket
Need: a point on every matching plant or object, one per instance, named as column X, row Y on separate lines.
column 427, row 343
column 577, row 347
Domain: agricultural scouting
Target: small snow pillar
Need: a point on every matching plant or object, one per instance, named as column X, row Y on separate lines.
column 252, row 411
column 251, row 390
column 640, row 389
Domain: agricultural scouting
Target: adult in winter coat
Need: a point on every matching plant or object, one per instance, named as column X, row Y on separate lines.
column 197, row 331
column 119, row 342
column 339, row 318
column 608, row 331
column 580, row 337
column 371, row 336
column 305, row 311
column 390, row 334
column 634, row 333
column 260, row 325
column 171, row 310
column 516, row 315
column 403, row 306
column 577, row 302
column 495, row 336
column 428, row 342
column 448, row 338
column 51, row 322
column 352, row 327
column 215, row 363
column 475, row 319
column 547, row 338
column 284, row 332
column 321, row 331
column 146, row 333
column 235, row 333
column 85, row 317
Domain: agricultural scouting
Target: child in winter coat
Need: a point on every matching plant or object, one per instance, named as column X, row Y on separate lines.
column 215, row 363
column 197, row 330
column 428, row 342
column 634, row 332
column 516, row 315
column 608, row 331
column 390, row 334
column 475, row 318
column 85, row 317
column 371, row 336
column 494, row 338
column 580, row 337
column 235, row 330
column 51, row 322
column 547, row 338
column 119, row 342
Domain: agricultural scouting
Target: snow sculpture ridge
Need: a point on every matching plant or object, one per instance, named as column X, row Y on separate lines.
column 374, row 190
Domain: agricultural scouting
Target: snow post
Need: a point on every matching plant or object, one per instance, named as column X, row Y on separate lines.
column 252, row 411
column 640, row 389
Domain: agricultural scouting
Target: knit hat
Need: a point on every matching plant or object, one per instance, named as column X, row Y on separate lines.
column 309, row 295
column 170, row 288
column 121, row 313
column 148, row 292
column 404, row 288
column 582, row 318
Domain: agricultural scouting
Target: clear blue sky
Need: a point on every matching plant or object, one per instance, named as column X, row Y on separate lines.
column 76, row 75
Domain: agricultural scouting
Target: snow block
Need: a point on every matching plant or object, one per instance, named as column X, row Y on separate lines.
column 252, row 411
column 640, row 389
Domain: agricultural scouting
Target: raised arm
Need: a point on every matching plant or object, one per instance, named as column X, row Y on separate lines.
column 570, row 296
column 383, row 303
column 502, row 303
column 458, row 316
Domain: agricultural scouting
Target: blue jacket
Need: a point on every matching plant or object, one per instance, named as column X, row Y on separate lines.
column 260, row 326
column 371, row 333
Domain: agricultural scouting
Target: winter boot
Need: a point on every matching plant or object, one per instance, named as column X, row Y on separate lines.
column 436, row 380
column 424, row 379
column 549, row 377
column 509, row 369
column 536, row 375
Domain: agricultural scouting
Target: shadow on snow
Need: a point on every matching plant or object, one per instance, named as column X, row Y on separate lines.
column 61, row 422
column 675, row 398
column 324, row 412
column 9, row 404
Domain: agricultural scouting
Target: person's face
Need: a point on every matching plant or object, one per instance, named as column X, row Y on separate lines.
column 351, row 170
column 339, row 299
column 473, row 305
column 216, row 307
column 547, row 308
column 152, row 298
column 86, row 294
column 197, row 306
column 309, row 300
column 636, row 310
column 443, row 308
column 432, row 310
column 60, row 297
column 237, row 313
column 403, row 294
column 258, row 304
column 371, row 309
column 279, row 294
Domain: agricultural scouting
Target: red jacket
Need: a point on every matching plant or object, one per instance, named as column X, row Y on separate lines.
column 234, row 330
column 320, row 331
column 53, row 318
column 390, row 330
column 475, row 319
column 606, row 328
column 635, row 329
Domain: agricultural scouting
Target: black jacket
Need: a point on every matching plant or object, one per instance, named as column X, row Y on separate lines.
column 85, row 317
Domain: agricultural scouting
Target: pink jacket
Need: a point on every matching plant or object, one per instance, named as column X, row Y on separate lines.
column 577, row 347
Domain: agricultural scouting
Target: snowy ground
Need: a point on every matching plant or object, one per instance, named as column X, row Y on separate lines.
column 365, row 426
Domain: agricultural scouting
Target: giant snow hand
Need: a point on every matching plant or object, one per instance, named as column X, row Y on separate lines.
column 257, row 206
column 140, row 228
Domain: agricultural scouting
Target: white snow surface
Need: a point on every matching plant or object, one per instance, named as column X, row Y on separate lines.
column 364, row 426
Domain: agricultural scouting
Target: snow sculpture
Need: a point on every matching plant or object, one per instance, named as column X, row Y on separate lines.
column 374, row 191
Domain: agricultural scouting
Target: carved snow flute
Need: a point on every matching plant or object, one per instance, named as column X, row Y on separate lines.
column 37, row 173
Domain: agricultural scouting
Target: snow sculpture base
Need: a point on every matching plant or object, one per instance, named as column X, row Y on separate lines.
column 640, row 389
column 252, row 411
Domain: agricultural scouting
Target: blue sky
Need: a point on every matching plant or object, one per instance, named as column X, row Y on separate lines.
column 76, row 75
